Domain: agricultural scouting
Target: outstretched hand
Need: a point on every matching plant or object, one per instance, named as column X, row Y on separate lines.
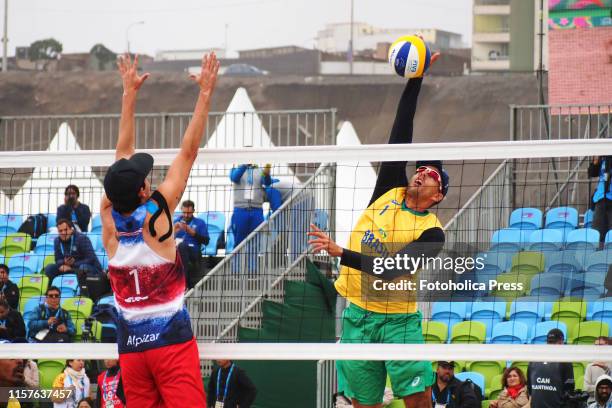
column 207, row 78
column 322, row 242
column 129, row 73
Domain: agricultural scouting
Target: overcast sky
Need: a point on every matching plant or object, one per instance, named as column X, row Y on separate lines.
column 194, row 24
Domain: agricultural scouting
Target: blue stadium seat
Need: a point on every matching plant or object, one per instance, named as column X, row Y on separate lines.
column 546, row 240
column 51, row 220
column 102, row 258
column 562, row 217
column 512, row 332
column 507, row 240
column 582, row 239
column 563, row 262
column 601, row 311
column 476, row 378
column 96, row 241
column 29, row 308
column 540, row 331
column 588, row 285
column 10, row 223
column 489, row 313
column 528, row 310
column 608, row 240
column 526, row 218
column 215, row 222
column 25, row 263
column 96, row 224
column 449, row 313
column 588, row 219
column 495, row 262
column 599, row 261
column 547, row 285
column 106, row 300
column 44, row 244
column 68, row 284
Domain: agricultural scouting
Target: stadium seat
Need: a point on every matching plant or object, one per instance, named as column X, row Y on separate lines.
column 96, row 224
column 526, row 218
column 520, row 285
column 48, row 370
column 476, row 378
column 540, row 331
column 489, row 313
column 103, row 259
column 582, row 239
column 51, row 221
column 570, row 312
column 579, row 369
column 449, row 313
column 601, row 311
column 528, row 310
column 549, row 286
column 96, row 241
column 511, row 332
column 599, row 261
column 9, row 224
column 32, row 285
column 495, row 262
column 522, row 365
column 587, row 332
column 588, row 218
column 589, row 285
column 215, row 222
column 18, row 242
column 562, row 217
column 528, row 263
column 79, row 307
column 25, row 263
column 495, row 387
column 435, row 332
column 608, row 240
column 106, row 300
column 468, row 332
column 68, row 284
column 321, row 219
column 96, row 330
column 488, row 369
column 44, row 244
column 546, row 240
column 562, row 262
column 506, row 240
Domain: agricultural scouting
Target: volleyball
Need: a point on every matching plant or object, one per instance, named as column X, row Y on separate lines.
column 409, row 56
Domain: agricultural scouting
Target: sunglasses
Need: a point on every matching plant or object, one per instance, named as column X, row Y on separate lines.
column 433, row 173
column 53, row 296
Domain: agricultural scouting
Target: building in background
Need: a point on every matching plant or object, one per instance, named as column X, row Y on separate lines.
column 334, row 38
column 181, row 55
column 580, row 47
column 506, row 35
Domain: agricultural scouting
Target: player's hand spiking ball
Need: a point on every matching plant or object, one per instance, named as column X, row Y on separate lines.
column 129, row 73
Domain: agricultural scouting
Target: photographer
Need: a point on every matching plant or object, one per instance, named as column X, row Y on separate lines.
column 603, row 387
column 602, row 198
column 73, row 209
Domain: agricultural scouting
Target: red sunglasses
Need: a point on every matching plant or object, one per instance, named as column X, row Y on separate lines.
column 433, row 173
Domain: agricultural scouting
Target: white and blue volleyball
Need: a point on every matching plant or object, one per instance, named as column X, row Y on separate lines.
column 409, row 56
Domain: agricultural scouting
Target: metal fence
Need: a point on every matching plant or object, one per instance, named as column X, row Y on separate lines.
column 165, row 130
column 231, row 293
column 327, row 383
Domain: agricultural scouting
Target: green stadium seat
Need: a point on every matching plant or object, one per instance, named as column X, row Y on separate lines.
column 48, row 370
column 18, row 242
column 485, row 403
column 96, row 330
column 79, row 307
column 468, row 332
column 523, row 365
column 495, row 387
column 528, row 263
column 488, row 369
column 587, row 332
column 459, row 366
column 569, row 311
column 434, row 332
column 579, row 381
column 32, row 285
column 516, row 279
column 579, row 369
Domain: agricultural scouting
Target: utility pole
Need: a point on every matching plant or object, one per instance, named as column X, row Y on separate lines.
column 127, row 33
column 226, row 46
column 5, row 39
column 350, row 53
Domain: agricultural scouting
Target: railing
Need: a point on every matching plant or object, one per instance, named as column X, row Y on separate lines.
column 231, row 294
column 327, row 383
column 165, row 130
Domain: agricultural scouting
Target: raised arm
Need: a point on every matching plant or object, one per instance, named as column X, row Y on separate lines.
column 131, row 84
column 176, row 180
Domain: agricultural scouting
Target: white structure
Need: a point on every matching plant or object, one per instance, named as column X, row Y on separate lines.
column 354, row 185
column 335, row 37
column 179, row 55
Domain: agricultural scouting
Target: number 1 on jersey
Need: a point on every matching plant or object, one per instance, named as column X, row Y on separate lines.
column 135, row 273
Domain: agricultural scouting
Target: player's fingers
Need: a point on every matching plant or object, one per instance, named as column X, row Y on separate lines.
column 314, row 228
column 145, row 77
column 435, row 57
column 136, row 61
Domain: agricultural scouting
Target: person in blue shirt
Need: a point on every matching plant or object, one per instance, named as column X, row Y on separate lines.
column 192, row 233
column 73, row 209
column 52, row 323
column 601, row 167
column 73, row 254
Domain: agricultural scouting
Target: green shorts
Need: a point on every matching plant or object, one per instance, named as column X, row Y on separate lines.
column 365, row 380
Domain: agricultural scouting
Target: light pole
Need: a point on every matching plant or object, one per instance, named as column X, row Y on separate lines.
column 5, row 39
column 127, row 33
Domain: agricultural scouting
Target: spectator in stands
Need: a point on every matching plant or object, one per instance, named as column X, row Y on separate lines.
column 8, row 290
column 73, row 209
column 230, row 387
column 74, row 376
column 110, row 386
column 30, row 373
column 603, row 387
column 11, row 373
column 86, row 403
column 73, row 254
column 547, row 383
column 12, row 327
column 514, row 394
column 450, row 392
column 602, row 198
column 596, row 369
column 249, row 183
column 52, row 324
column 192, row 233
